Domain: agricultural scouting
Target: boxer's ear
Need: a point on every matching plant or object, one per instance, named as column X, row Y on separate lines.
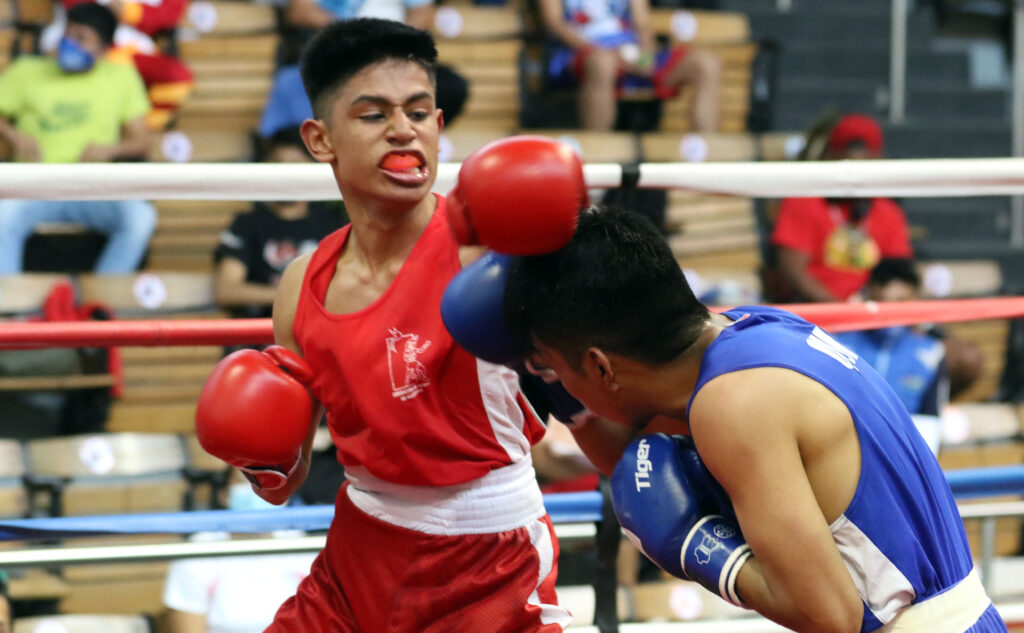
column 317, row 138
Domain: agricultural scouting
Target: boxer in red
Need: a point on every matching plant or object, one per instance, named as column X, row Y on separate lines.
column 440, row 525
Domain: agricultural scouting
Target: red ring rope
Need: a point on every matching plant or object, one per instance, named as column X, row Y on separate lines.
column 836, row 317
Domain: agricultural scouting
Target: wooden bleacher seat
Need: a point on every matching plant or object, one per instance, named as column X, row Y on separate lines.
column 459, row 142
column 13, row 501
column 82, row 624
column 482, row 43
column 728, row 35
column 661, row 147
column 22, row 295
column 149, row 293
column 160, row 384
column 129, row 589
column 187, row 232
column 233, row 65
column 229, row 18
column 780, row 146
column 106, row 473
column 597, row 147
column 25, row 293
column 961, row 278
column 35, row 584
column 701, row 27
column 979, row 435
column 707, row 225
column 990, row 336
column 36, row 12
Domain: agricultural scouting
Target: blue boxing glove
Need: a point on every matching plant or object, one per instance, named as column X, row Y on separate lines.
column 471, row 310
column 551, row 398
column 675, row 512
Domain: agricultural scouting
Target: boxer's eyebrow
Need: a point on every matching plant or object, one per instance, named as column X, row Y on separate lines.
column 379, row 100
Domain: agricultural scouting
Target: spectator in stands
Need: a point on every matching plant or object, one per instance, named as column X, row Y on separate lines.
column 6, row 617
column 607, row 45
column 231, row 594
column 826, row 248
column 261, row 242
column 77, row 107
column 145, row 37
column 911, row 361
column 288, row 104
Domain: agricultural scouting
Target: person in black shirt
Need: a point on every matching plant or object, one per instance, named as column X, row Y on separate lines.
column 260, row 243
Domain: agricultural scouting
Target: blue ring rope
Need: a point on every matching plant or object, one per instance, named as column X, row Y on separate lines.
column 566, row 507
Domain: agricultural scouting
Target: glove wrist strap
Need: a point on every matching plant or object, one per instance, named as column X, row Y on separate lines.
column 713, row 554
column 270, row 477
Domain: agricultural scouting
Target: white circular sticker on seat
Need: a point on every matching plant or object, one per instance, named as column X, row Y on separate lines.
column 149, row 291
column 97, row 455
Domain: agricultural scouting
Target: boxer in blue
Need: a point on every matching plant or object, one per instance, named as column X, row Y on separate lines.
column 813, row 500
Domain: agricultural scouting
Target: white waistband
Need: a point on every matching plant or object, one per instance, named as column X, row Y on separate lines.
column 504, row 499
column 952, row 611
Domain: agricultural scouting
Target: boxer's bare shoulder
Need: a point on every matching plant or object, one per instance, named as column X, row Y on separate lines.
column 286, row 302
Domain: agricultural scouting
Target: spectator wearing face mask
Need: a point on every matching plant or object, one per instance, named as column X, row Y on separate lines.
column 231, row 594
column 76, row 107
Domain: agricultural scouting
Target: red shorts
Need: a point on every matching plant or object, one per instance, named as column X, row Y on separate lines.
column 375, row 577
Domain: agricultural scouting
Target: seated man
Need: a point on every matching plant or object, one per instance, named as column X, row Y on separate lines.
column 77, row 107
column 144, row 36
column 911, row 361
column 607, row 44
column 207, row 595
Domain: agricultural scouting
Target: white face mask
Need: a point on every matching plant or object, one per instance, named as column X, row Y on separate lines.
column 242, row 497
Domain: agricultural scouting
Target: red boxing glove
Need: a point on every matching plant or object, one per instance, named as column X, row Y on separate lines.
column 254, row 413
column 520, row 195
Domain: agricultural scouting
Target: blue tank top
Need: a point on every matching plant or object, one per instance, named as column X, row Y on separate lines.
column 901, row 537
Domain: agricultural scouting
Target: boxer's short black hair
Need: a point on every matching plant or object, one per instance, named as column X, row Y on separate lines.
column 895, row 269
column 97, row 17
column 616, row 286
column 342, row 49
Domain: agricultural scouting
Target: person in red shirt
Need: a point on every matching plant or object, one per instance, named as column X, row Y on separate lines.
column 440, row 525
column 827, row 247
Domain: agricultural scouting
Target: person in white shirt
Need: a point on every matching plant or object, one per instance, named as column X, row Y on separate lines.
column 231, row 594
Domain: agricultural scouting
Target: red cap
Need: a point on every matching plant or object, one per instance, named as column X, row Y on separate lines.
column 856, row 128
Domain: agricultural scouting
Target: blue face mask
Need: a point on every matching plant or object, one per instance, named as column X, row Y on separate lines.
column 72, row 58
column 242, row 497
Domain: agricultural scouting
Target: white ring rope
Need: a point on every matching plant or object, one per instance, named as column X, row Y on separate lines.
column 928, row 178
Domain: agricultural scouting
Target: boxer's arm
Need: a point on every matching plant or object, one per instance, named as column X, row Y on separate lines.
column 745, row 425
column 185, row 622
column 285, row 305
column 603, row 442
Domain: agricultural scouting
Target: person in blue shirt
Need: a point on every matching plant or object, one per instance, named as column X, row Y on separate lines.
column 288, row 105
column 911, row 361
column 748, row 450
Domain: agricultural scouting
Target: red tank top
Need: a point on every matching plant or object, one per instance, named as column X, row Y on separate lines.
column 403, row 400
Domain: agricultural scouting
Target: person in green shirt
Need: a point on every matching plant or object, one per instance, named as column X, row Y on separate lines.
column 76, row 107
